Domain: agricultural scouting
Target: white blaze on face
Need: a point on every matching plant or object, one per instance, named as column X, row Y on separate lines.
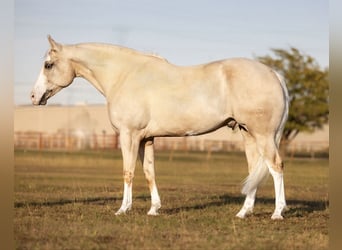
column 39, row 88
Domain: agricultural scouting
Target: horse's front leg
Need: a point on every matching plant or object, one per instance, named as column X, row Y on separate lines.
column 146, row 153
column 129, row 146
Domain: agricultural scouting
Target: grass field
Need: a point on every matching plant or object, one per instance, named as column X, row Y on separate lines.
column 68, row 200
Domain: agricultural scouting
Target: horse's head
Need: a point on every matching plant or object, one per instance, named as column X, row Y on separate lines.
column 56, row 73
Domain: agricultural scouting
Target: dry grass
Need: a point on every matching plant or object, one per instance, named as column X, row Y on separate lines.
column 68, row 201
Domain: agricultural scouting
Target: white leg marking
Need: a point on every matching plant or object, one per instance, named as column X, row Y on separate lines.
column 129, row 147
column 146, row 153
column 248, row 205
column 127, row 199
column 155, row 201
column 280, row 203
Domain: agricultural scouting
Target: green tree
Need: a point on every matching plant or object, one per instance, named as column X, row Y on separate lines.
column 308, row 87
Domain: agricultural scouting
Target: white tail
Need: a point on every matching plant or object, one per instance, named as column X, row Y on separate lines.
column 259, row 174
column 286, row 108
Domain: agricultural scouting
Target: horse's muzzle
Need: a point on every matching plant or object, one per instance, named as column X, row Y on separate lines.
column 39, row 101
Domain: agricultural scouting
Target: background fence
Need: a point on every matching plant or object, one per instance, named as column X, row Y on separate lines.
column 82, row 141
column 64, row 141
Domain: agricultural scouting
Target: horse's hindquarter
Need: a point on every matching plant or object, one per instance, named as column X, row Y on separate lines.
column 256, row 94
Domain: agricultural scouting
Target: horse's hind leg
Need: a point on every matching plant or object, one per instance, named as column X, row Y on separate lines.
column 252, row 156
column 275, row 166
column 146, row 154
column 272, row 160
column 263, row 158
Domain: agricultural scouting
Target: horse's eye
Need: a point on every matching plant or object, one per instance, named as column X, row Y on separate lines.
column 48, row 65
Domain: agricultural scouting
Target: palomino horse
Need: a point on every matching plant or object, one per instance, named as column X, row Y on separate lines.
column 149, row 97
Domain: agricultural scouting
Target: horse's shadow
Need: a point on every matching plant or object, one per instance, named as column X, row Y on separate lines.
column 61, row 202
column 296, row 208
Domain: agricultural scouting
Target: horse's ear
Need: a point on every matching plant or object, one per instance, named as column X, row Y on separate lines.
column 54, row 45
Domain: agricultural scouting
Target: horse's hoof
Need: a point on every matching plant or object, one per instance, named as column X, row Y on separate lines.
column 244, row 212
column 119, row 213
column 241, row 215
column 154, row 210
column 277, row 217
column 153, row 213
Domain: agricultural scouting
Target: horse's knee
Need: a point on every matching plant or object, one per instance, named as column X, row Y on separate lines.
column 150, row 178
column 148, row 175
column 128, row 176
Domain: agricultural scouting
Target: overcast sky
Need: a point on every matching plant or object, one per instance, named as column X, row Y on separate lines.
column 184, row 32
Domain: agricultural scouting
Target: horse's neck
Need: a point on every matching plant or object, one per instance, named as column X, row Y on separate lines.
column 101, row 65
